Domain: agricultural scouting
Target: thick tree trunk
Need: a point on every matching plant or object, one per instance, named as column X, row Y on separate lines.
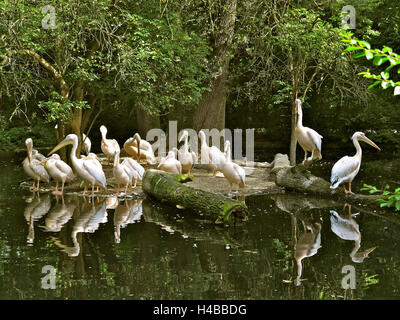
column 210, row 112
column 146, row 122
column 165, row 188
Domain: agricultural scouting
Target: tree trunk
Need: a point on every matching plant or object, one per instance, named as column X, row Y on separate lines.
column 146, row 122
column 210, row 112
column 165, row 188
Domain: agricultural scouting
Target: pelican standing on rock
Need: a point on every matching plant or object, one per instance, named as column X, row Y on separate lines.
column 347, row 167
column 33, row 165
column 170, row 164
column 86, row 168
column 139, row 148
column 186, row 158
column 211, row 155
column 234, row 173
column 108, row 146
column 59, row 171
column 309, row 139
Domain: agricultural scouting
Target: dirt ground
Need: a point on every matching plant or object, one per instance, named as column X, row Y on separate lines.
column 258, row 180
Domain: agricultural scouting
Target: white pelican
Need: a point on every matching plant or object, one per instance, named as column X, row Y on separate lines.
column 234, row 173
column 87, row 168
column 25, row 164
column 86, row 144
column 170, row 164
column 134, row 166
column 347, row 167
column 144, row 150
column 347, row 228
column 108, row 146
column 186, row 158
column 33, row 166
column 211, row 155
column 123, row 174
column 309, row 139
column 59, row 171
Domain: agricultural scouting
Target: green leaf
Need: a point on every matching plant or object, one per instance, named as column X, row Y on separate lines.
column 379, row 60
column 358, row 55
column 365, row 44
column 352, row 48
column 385, row 75
column 374, row 84
column 369, row 55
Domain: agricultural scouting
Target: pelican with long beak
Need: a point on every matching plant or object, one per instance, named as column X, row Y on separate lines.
column 108, row 146
column 234, row 173
column 85, row 168
column 186, row 158
column 211, row 155
column 138, row 148
column 59, row 171
column 33, row 166
column 170, row 164
column 346, row 169
column 309, row 139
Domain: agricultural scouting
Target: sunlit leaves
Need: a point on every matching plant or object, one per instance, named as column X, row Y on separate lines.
column 390, row 199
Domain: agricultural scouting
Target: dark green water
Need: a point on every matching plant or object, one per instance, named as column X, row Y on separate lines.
column 141, row 251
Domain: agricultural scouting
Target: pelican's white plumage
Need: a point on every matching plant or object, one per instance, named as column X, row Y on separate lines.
column 211, row 155
column 59, row 171
column 87, row 168
column 135, row 166
column 139, row 148
column 170, row 164
column 309, row 139
column 186, row 158
column 346, row 169
column 123, row 174
column 86, row 144
column 234, row 173
column 108, row 146
column 33, row 165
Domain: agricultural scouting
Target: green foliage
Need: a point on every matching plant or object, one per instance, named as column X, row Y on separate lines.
column 379, row 57
column 390, row 199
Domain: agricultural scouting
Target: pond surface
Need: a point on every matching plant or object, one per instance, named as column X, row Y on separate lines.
column 292, row 247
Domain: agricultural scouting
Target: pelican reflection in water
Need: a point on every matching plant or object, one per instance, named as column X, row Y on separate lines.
column 127, row 212
column 307, row 245
column 346, row 228
column 59, row 215
column 87, row 222
column 36, row 208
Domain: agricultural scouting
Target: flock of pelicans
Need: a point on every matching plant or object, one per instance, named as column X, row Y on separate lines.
column 129, row 171
column 89, row 169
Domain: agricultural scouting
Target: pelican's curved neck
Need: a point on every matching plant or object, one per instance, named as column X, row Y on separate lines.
column 116, row 159
column 186, row 144
column 203, row 139
column 358, row 147
column 357, row 245
column 299, row 117
column 73, row 151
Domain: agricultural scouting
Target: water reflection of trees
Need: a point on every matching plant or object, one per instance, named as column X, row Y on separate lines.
column 149, row 252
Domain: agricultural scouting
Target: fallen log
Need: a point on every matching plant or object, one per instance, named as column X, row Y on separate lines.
column 165, row 188
column 300, row 179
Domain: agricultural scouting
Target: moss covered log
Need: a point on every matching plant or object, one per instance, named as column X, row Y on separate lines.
column 165, row 188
